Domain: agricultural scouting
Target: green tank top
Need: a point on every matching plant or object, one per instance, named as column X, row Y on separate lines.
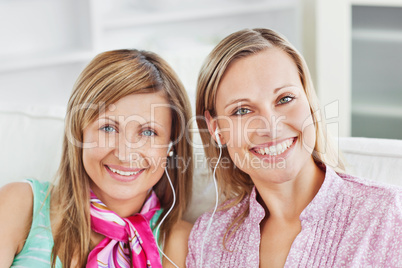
column 38, row 246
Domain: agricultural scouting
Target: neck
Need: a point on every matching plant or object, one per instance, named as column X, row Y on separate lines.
column 124, row 208
column 287, row 200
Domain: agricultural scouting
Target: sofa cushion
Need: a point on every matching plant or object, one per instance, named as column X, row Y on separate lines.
column 31, row 141
column 375, row 159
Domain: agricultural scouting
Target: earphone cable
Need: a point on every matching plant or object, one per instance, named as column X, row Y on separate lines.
column 160, row 223
column 216, row 206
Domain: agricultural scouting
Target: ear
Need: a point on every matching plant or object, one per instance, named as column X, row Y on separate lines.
column 212, row 126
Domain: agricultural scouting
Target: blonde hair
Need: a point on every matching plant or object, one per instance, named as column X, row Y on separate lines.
column 109, row 77
column 231, row 180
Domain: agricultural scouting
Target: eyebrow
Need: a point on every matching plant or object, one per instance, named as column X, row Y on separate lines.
column 248, row 100
column 236, row 101
column 107, row 118
column 282, row 87
column 146, row 123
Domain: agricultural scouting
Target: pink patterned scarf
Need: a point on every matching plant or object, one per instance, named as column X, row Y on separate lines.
column 124, row 235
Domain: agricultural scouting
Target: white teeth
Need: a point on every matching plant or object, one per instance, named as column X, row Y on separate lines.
column 279, row 148
column 276, row 150
column 123, row 173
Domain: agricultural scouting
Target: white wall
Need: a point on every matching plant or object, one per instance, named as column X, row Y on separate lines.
column 46, row 43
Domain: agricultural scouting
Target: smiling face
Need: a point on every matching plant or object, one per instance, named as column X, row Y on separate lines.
column 264, row 117
column 125, row 149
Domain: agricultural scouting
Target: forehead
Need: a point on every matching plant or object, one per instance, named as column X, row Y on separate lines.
column 268, row 69
column 149, row 106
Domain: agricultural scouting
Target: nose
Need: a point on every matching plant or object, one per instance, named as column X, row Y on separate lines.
column 121, row 151
column 269, row 123
column 127, row 149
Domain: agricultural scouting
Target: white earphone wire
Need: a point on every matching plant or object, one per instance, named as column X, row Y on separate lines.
column 216, row 204
column 160, row 223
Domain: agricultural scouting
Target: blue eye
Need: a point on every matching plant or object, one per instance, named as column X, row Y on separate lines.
column 285, row 100
column 242, row 111
column 148, row 132
column 108, row 129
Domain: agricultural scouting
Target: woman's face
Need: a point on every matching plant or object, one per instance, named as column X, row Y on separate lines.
column 264, row 117
column 125, row 148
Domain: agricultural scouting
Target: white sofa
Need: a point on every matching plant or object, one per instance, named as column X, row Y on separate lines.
column 31, row 139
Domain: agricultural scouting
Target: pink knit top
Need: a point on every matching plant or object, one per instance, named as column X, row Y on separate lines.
column 350, row 223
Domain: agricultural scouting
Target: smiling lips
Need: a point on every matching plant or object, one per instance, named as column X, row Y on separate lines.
column 123, row 174
column 274, row 149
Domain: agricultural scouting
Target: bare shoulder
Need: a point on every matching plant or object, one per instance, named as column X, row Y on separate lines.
column 16, row 205
column 16, row 202
column 176, row 246
column 182, row 229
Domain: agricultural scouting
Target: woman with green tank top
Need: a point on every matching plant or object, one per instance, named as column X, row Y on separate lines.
column 124, row 180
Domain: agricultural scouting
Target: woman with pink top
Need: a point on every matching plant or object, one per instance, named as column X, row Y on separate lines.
column 288, row 202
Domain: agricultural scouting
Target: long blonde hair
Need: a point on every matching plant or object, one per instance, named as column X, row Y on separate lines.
column 231, row 180
column 109, row 77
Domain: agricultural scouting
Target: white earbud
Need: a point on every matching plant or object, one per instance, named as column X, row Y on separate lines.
column 218, row 140
column 170, row 152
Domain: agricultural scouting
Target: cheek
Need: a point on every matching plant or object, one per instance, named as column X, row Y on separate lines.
column 237, row 144
column 156, row 159
column 304, row 123
column 93, row 152
column 232, row 133
column 159, row 156
column 309, row 138
column 92, row 159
